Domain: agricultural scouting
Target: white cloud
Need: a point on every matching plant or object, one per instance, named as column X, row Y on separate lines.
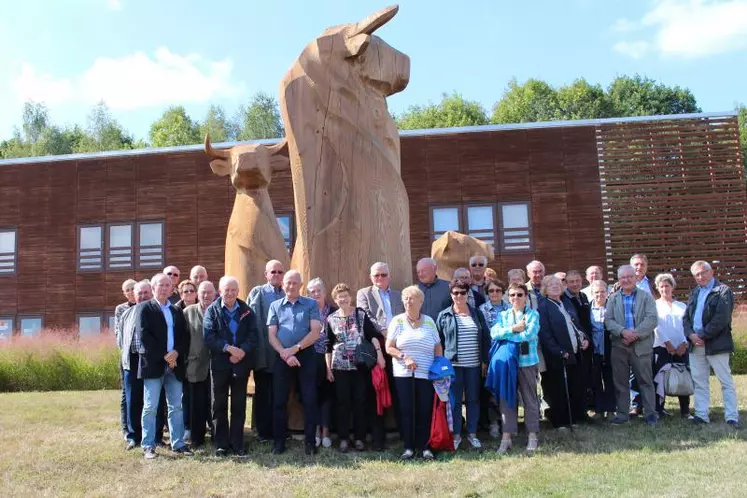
column 115, row 4
column 690, row 28
column 133, row 82
column 634, row 50
column 624, row 25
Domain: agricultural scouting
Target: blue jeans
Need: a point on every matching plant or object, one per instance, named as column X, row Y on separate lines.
column 467, row 383
column 152, row 388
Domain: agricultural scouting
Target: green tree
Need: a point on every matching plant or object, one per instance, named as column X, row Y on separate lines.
column 104, row 132
column 640, row 96
column 260, row 119
column 533, row 101
column 742, row 116
column 174, row 127
column 217, row 126
column 453, row 110
column 35, row 121
column 580, row 100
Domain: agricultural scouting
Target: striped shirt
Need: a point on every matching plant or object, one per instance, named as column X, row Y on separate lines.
column 467, row 343
column 501, row 331
column 417, row 343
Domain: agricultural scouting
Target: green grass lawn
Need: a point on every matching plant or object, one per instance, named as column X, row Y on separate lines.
column 68, row 443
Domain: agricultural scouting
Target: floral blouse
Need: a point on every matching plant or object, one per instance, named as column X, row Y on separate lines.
column 343, row 334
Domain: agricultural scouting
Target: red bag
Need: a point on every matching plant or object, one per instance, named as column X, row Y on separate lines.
column 441, row 438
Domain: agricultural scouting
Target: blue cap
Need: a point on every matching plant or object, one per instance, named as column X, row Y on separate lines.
column 440, row 368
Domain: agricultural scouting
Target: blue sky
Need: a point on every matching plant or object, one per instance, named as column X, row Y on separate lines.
column 141, row 56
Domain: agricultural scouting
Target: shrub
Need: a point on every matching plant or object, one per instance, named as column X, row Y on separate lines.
column 57, row 361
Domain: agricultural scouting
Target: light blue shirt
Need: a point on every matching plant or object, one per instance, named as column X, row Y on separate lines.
column 293, row 320
column 166, row 310
column 597, row 328
column 643, row 285
column 702, row 295
column 386, row 301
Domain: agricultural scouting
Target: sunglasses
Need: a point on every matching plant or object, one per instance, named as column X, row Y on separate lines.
column 173, row 275
column 477, row 265
column 381, row 275
column 495, row 291
column 459, row 293
column 516, row 294
column 276, row 272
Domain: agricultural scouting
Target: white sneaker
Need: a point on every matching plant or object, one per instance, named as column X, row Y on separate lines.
column 504, row 447
column 326, row 442
column 532, row 443
column 318, row 441
column 474, row 442
column 428, row 455
column 188, row 436
column 457, row 442
column 495, row 430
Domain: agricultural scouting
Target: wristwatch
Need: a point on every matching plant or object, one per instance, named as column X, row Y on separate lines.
column 402, row 356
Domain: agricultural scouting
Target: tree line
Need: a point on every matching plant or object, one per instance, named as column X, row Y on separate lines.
column 531, row 101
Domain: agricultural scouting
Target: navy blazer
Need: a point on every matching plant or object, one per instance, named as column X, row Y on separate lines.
column 581, row 311
column 218, row 335
column 151, row 325
column 553, row 335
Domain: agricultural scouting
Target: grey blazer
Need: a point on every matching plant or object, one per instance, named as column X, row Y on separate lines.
column 645, row 317
column 369, row 299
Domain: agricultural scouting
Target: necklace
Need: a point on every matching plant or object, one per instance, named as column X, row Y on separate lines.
column 412, row 322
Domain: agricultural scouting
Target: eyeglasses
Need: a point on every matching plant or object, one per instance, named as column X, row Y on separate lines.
column 173, row 275
column 458, row 293
column 381, row 275
column 276, row 272
column 495, row 291
column 477, row 265
column 516, row 294
column 188, row 291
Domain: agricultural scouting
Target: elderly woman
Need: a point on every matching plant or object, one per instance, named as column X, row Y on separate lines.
column 515, row 276
column 413, row 342
column 520, row 324
column 670, row 345
column 318, row 292
column 495, row 304
column 344, row 330
column 188, row 294
column 562, row 346
column 465, row 338
column 601, row 368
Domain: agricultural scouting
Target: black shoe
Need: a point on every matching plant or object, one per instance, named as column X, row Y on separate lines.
column 663, row 413
column 733, row 424
column 184, row 451
column 221, row 452
column 652, row 419
column 619, row 420
column 697, row 420
column 377, row 446
column 240, row 453
column 278, row 450
column 310, row 449
column 149, row 453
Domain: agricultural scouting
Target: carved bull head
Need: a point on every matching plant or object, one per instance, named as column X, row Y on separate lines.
column 250, row 166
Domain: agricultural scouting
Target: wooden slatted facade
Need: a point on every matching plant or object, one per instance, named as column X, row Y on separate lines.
column 664, row 185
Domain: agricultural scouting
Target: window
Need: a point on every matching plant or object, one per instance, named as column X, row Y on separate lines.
column 285, row 221
column 445, row 219
column 90, row 248
column 150, row 244
column 89, row 325
column 505, row 226
column 7, row 251
column 30, row 325
column 6, row 328
column 516, row 232
column 110, row 321
column 119, row 246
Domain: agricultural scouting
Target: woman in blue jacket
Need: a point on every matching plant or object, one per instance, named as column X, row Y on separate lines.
column 466, row 340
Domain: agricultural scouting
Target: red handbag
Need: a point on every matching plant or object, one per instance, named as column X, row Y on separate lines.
column 441, row 438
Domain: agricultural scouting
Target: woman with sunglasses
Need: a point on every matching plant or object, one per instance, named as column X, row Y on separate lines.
column 187, row 293
column 496, row 303
column 520, row 324
column 465, row 337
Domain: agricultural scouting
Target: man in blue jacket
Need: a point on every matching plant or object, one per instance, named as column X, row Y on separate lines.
column 230, row 329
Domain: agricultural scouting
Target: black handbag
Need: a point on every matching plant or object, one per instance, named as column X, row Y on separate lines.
column 365, row 352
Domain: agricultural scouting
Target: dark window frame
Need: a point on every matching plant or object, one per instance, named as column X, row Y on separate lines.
column 529, row 228
column 14, row 269
column 460, row 219
column 25, row 316
column 89, row 314
column 109, row 248
column 138, row 253
column 13, row 323
column 102, row 266
column 291, row 228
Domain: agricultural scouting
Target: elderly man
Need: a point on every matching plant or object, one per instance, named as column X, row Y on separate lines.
column 640, row 263
column 630, row 317
column 536, row 272
column 197, row 275
column 230, row 335
column 165, row 343
column 474, row 299
column 130, row 348
column 259, row 301
column 593, row 273
column 707, row 324
column 379, row 300
column 578, row 301
column 174, row 274
column 294, row 326
column 128, row 289
column 198, row 365
column 477, row 266
column 435, row 290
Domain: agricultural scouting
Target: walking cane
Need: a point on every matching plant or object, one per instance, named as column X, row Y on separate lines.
column 414, row 408
column 567, row 394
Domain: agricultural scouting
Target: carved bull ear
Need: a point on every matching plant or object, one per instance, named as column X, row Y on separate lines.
column 220, row 164
column 279, row 155
column 374, row 21
column 357, row 44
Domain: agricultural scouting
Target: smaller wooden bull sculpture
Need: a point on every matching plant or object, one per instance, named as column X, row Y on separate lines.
column 253, row 237
column 452, row 250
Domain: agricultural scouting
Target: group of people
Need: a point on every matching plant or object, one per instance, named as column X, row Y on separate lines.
column 541, row 341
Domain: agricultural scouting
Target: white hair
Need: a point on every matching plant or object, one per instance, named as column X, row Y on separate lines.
column 129, row 282
column 461, row 270
column 479, row 256
column 290, row 274
column 141, row 284
column 272, row 263
column 158, row 276
column 197, row 268
column 593, row 267
column 700, row 264
column 622, row 269
column 205, row 283
column 314, row 282
column 535, row 263
column 665, row 277
column 166, row 270
column 598, row 283
column 429, row 261
column 227, row 279
column 379, row 264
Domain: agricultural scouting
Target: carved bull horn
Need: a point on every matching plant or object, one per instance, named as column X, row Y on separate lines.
column 215, row 154
column 374, row 21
